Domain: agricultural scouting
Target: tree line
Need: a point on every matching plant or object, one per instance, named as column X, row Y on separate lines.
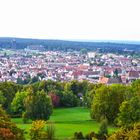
column 117, row 104
column 64, row 45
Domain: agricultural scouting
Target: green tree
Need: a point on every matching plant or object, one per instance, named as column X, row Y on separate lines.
column 90, row 93
column 83, row 87
column 68, row 99
column 136, row 86
column 17, row 105
column 72, row 86
column 8, row 90
column 20, row 81
column 83, row 51
column 35, row 79
column 38, row 106
column 2, row 98
column 106, row 102
column 3, row 115
column 129, row 112
column 116, row 73
column 50, row 86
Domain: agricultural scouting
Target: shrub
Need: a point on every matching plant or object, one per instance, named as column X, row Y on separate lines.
column 127, row 134
column 9, row 130
column 78, row 136
column 89, row 136
column 55, row 99
column 103, row 128
column 3, row 115
column 37, row 131
column 6, row 134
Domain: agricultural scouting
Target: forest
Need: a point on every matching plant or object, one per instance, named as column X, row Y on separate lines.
column 64, row 45
column 114, row 105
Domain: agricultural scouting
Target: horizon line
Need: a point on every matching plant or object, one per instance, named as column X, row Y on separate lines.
column 78, row 40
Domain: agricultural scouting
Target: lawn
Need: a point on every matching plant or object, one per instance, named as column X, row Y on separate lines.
column 69, row 120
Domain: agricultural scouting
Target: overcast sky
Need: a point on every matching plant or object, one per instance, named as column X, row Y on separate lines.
column 71, row 19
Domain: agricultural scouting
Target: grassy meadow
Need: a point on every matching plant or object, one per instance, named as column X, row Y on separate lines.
column 67, row 121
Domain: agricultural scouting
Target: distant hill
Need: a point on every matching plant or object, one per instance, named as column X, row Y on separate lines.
column 65, row 45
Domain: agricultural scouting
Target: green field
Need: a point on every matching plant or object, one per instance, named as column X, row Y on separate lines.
column 69, row 120
column 8, row 52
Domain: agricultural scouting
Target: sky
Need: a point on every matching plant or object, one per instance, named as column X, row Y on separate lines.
column 71, row 19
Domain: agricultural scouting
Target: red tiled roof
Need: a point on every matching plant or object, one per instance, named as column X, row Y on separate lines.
column 103, row 80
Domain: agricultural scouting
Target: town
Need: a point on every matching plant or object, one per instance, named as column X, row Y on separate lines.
column 35, row 64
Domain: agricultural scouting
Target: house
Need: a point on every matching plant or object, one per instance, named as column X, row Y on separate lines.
column 109, row 81
column 91, row 74
column 103, row 80
column 133, row 75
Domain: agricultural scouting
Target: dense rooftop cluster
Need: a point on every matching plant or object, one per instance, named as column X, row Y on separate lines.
column 20, row 65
